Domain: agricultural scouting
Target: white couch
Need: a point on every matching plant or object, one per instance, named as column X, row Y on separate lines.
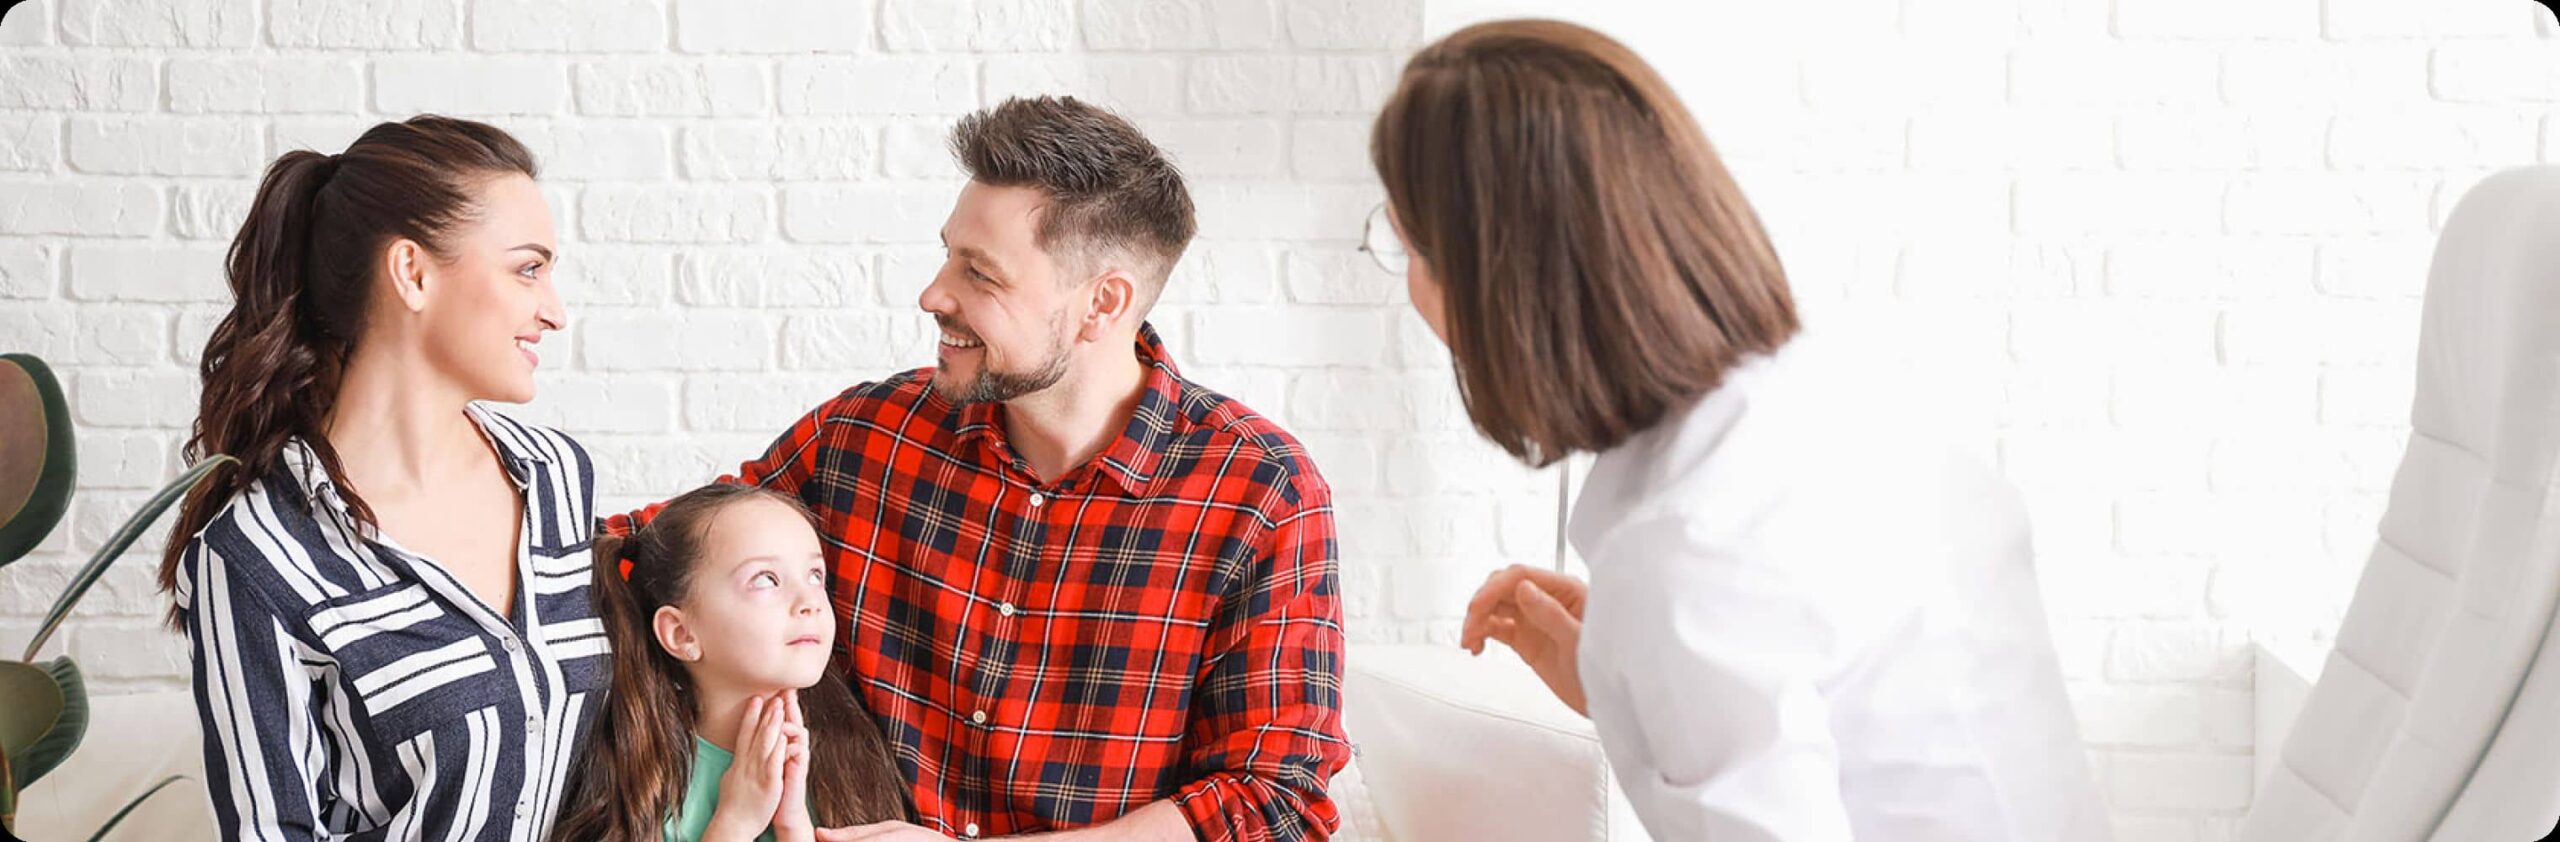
column 1449, row 748
column 134, row 741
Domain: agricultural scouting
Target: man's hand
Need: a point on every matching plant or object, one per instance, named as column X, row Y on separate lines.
column 1538, row 614
column 1159, row 821
column 882, row 832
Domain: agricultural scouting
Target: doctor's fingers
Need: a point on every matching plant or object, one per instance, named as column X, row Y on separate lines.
column 1493, row 597
column 1539, row 608
column 1481, row 620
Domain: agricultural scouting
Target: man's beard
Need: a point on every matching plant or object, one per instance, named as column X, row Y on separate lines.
column 993, row 386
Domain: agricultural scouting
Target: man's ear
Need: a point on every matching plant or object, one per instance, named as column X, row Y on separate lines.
column 406, row 263
column 674, row 634
column 1116, row 298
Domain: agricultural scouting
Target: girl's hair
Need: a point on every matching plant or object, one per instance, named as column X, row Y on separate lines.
column 632, row 776
column 302, row 272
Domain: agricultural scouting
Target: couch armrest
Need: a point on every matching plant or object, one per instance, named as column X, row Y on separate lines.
column 1454, row 747
column 134, row 741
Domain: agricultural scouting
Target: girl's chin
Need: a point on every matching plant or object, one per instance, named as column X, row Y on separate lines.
column 772, row 688
column 805, row 679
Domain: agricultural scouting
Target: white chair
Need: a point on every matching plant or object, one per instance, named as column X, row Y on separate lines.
column 2437, row 716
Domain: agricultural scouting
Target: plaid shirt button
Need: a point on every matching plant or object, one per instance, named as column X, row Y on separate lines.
column 979, row 717
column 1004, row 608
column 1037, row 499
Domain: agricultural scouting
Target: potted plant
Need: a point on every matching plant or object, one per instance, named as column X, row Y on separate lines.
column 44, row 707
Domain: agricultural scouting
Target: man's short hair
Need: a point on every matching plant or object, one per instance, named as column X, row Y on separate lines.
column 1110, row 190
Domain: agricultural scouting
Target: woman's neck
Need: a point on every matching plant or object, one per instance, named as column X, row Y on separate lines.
column 398, row 428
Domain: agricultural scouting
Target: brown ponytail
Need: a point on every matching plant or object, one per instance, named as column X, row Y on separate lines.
column 631, row 777
column 302, row 274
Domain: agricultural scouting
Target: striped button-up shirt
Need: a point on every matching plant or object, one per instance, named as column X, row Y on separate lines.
column 351, row 689
column 1162, row 623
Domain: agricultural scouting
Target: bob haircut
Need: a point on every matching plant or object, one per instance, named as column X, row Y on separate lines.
column 1600, row 267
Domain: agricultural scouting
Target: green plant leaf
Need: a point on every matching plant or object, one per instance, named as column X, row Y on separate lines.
column 30, row 702
column 8, row 796
column 115, row 546
column 38, row 459
column 129, row 806
column 69, row 725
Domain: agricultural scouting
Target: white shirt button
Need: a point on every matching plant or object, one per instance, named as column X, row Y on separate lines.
column 970, row 831
column 511, row 644
column 1037, row 498
column 1004, row 608
column 979, row 717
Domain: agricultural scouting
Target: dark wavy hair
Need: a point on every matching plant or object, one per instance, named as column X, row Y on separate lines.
column 302, row 272
column 631, row 777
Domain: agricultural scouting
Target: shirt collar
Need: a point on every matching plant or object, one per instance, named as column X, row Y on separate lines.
column 1131, row 459
column 301, row 462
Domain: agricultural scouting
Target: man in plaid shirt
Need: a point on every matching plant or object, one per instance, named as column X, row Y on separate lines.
column 1081, row 593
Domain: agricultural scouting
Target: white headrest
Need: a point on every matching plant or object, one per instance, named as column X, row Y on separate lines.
column 2489, row 351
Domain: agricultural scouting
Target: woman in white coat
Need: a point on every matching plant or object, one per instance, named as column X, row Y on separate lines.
column 1809, row 617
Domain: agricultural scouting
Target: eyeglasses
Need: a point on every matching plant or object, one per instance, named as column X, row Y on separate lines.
column 1378, row 238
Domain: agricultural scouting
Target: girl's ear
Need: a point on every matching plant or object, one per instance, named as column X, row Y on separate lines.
column 674, row 634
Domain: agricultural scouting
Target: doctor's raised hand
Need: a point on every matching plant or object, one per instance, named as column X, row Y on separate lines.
column 1538, row 613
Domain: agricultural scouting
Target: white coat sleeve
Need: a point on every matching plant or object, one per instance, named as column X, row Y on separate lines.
column 1701, row 672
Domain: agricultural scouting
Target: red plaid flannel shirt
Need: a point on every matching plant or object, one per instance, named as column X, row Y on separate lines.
column 1164, row 622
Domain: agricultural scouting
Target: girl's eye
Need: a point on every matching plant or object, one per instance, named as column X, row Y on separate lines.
column 765, row 580
column 529, row 269
column 817, row 577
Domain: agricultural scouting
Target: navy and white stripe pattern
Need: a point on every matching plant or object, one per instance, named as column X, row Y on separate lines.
column 351, row 689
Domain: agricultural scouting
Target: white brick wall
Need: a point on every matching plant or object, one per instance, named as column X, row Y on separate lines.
column 2197, row 267
column 747, row 203
column 2164, row 255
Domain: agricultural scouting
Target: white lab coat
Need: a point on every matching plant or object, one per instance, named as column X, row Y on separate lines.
column 1811, row 618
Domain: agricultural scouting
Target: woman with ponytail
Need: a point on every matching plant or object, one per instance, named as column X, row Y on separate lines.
column 387, row 597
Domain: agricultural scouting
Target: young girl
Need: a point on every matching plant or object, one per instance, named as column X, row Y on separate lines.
column 720, row 622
